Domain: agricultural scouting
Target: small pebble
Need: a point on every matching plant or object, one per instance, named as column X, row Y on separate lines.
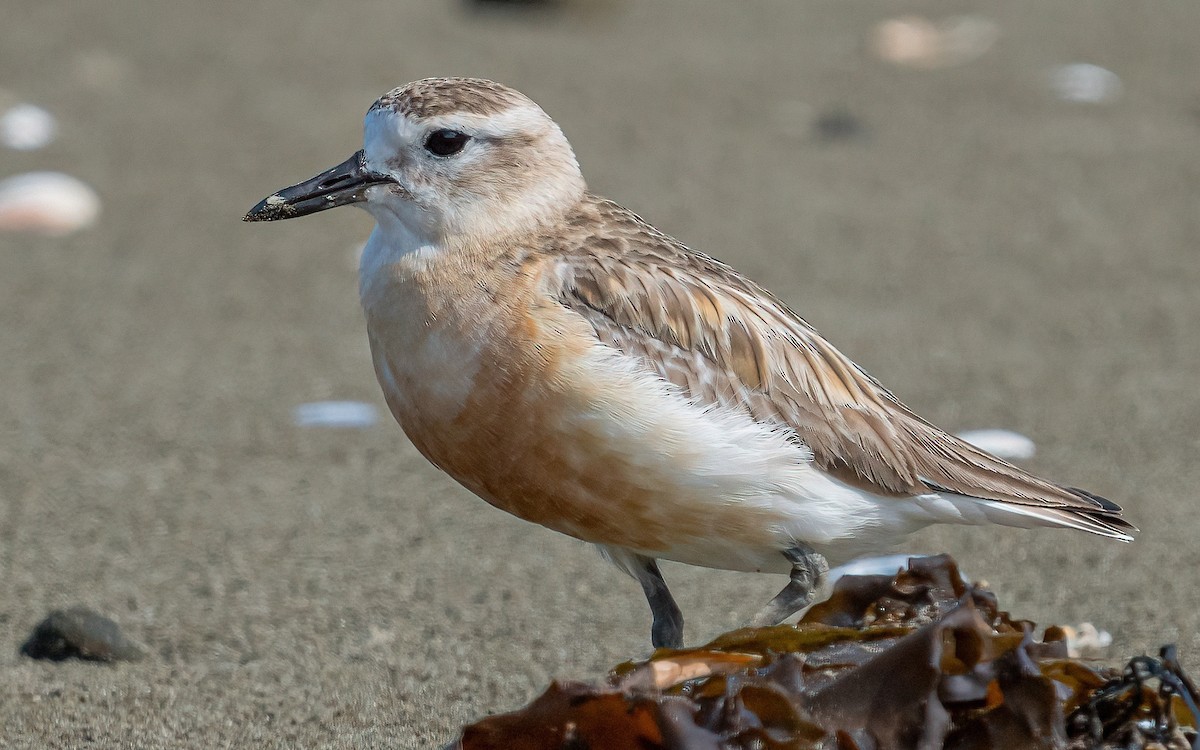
column 27, row 127
column 838, row 125
column 80, row 633
column 1085, row 83
column 1006, row 444
column 49, row 203
column 355, row 414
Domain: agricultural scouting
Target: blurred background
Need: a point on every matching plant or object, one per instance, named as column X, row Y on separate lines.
column 993, row 207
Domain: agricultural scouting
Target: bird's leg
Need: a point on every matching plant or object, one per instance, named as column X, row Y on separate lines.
column 808, row 575
column 667, row 630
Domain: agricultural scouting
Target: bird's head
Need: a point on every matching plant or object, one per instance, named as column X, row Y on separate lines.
column 447, row 158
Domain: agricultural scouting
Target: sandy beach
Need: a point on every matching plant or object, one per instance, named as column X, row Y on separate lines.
column 996, row 255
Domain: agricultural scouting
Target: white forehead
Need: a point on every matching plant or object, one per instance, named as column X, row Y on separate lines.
column 386, row 130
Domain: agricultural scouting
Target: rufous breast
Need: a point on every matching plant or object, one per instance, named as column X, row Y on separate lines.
column 512, row 395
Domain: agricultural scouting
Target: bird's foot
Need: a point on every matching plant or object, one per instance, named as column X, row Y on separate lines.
column 809, row 570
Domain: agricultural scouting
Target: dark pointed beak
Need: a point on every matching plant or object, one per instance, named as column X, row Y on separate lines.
column 345, row 183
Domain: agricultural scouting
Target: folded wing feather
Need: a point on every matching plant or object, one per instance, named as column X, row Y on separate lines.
column 724, row 340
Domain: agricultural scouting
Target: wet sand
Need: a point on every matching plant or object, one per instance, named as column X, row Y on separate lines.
column 996, row 256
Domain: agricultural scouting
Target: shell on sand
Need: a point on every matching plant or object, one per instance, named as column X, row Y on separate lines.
column 915, row 42
column 1009, row 445
column 27, row 127
column 49, row 203
column 1085, row 83
column 335, row 414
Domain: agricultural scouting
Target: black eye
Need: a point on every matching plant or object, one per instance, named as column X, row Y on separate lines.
column 446, row 142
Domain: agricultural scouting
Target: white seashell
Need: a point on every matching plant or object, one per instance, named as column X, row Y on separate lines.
column 1085, row 83
column 1086, row 640
column 27, row 127
column 1005, row 444
column 335, row 414
column 880, row 565
column 48, row 203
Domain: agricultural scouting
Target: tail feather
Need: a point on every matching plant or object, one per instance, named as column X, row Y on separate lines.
column 1010, row 495
column 1101, row 522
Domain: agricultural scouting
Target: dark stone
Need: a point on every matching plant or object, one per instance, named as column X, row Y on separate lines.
column 838, row 125
column 80, row 633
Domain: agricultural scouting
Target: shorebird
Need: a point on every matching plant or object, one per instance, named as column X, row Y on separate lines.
column 571, row 364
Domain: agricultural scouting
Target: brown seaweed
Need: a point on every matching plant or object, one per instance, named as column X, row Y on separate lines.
column 916, row 660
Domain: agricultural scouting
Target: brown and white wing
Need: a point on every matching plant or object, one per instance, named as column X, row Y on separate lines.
column 724, row 340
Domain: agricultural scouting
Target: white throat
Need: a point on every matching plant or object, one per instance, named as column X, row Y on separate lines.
column 394, row 238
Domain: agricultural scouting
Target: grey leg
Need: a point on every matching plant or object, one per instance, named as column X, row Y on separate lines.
column 808, row 575
column 667, row 630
